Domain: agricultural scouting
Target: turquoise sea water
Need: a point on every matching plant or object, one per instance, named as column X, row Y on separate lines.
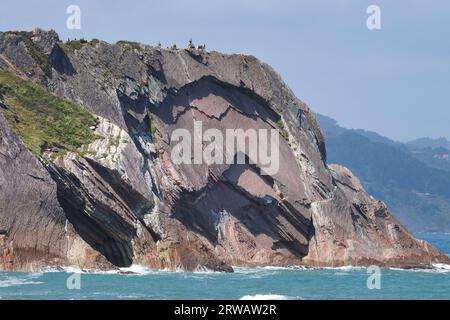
column 247, row 283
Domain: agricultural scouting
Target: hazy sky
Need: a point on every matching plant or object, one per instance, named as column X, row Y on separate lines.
column 395, row 81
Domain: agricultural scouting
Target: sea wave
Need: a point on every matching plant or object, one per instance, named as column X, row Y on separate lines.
column 134, row 269
column 247, row 270
column 68, row 269
column 441, row 267
column 259, row 272
column 436, row 268
column 12, row 281
column 284, row 268
column 256, row 272
column 343, row 268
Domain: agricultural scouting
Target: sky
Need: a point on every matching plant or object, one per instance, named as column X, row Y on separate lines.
column 395, row 81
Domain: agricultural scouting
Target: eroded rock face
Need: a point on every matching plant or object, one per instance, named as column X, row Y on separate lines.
column 34, row 230
column 368, row 234
column 122, row 200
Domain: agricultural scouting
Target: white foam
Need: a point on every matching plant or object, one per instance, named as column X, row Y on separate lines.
column 203, row 269
column 247, row 270
column 20, row 281
column 72, row 269
column 342, row 274
column 284, row 268
column 436, row 268
column 137, row 269
column 441, row 266
column 141, row 270
column 294, row 268
column 68, row 269
column 343, row 268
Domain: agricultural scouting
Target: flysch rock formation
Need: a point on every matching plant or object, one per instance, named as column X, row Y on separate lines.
column 124, row 201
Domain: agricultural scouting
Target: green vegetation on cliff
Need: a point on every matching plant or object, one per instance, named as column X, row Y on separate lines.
column 43, row 120
column 72, row 45
column 40, row 57
column 284, row 133
column 132, row 44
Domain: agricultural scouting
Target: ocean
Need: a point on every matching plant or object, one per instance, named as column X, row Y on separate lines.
column 244, row 283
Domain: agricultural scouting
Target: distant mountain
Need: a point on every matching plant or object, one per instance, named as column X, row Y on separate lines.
column 329, row 126
column 332, row 129
column 417, row 192
column 429, row 143
column 433, row 152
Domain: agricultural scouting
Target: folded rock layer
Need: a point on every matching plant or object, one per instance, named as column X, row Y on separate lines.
column 120, row 199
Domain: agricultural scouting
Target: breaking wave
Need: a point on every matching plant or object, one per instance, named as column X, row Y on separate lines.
column 436, row 268
column 343, row 268
column 134, row 269
column 441, row 266
column 267, row 268
column 255, row 272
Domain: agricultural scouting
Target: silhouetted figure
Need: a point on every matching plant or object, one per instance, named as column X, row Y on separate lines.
column 299, row 116
column 191, row 45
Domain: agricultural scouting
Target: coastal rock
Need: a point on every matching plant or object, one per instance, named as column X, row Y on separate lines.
column 368, row 235
column 34, row 230
column 121, row 200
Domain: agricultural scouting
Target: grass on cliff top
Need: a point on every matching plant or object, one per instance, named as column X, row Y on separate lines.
column 132, row 44
column 73, row 45
column 43, row 120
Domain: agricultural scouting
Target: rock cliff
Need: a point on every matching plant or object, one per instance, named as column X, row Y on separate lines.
column 86, row 176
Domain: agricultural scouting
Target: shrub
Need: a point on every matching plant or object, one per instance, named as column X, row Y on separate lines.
column 132, row 44
column 284, row 133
